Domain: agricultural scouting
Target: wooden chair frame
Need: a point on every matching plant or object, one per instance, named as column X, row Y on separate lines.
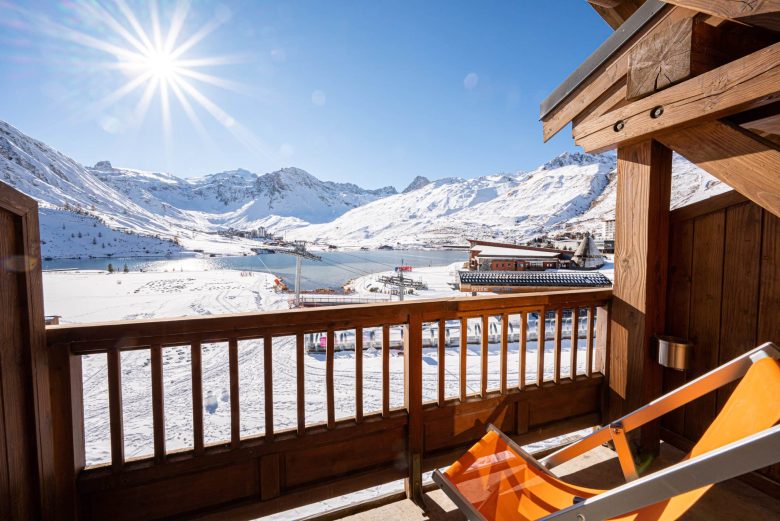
column 737, row 458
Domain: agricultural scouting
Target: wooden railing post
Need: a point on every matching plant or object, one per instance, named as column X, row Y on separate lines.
column 67, row 426
column 413, row 402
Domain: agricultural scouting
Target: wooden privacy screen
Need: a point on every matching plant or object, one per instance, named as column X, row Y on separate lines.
column 250, row 476
column 724, row 295
column 26, row 464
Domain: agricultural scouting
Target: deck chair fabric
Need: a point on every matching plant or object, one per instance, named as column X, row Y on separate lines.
column 502, row 483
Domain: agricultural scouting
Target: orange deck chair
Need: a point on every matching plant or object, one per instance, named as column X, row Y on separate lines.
column 496, row 480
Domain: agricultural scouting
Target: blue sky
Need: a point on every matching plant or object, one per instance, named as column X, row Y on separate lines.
column 371, row 92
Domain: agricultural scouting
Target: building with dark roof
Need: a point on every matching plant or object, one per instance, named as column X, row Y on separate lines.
column 528, row 281
column 496, row 256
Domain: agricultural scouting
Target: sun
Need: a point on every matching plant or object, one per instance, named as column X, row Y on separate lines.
column 161, row 65
column 154, row 57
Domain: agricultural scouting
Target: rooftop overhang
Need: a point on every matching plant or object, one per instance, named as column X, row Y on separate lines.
column 703, row 78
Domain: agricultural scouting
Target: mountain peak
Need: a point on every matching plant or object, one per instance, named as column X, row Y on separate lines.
column 578, row 159
column 103, row 166
column 416, row 184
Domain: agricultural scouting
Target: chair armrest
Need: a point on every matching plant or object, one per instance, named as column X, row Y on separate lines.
column 718, row 377
column 732, row 460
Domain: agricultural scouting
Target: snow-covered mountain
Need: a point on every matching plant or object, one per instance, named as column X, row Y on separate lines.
column 104, row 210
column 239, row 198
column 573, row 191
column 162, row 207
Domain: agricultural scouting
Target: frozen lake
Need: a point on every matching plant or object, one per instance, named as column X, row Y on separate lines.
column 336, row 268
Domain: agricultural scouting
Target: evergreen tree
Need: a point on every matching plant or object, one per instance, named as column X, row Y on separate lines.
column 126, row 269
column 110, row 268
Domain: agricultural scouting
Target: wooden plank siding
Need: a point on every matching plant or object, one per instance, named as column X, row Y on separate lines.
column 724, row 295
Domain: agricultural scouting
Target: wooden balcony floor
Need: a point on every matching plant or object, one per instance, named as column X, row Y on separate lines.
column 599, row 468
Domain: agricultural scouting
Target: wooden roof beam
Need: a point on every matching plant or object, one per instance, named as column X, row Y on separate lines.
column 743, row 84
column 615, row 12
column 611, row 71
column 761, row 13
column 742, row 160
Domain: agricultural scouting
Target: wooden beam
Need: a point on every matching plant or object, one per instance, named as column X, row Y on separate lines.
column 686, row 48
column 611, row 72
column 615, row 12
column 661, row 60
column 743, row 84
column 740, row 159
column 638, row 306
column 762, row 13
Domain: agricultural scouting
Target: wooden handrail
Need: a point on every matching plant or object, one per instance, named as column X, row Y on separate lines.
column 100, row 337
column 279, row 467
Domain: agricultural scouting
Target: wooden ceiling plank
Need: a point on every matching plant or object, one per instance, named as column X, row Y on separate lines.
column 743, row 84
column 737, row 157
column 612, row 72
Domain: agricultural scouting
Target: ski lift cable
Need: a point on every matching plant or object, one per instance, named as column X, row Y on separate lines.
column 349, row 269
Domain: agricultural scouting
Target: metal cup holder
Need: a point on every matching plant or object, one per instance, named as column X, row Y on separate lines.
column 674, row 352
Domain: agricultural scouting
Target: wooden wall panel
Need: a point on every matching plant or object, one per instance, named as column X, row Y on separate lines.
column 724, row 295
column 768, row 329
column 704, row 327
column 678, row 304
column 741, row 272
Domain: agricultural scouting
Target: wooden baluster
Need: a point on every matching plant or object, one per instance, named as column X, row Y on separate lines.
column 589, row 342
column 442, row 353
column 158, row 404
column 115, row 409
column 385, row 371
column 235, row 408
column 268, row 385
column 330, row 398
column 540, row 341
column 300, row 392
column 358, row 374
column 197, row 397
column 464, row 331
column 558, row 339
column 413, row 402
column 523, row 348
column 575, row 335
column 483, row 357
column 504, row 350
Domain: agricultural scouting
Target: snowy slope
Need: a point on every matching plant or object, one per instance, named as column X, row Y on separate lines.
column 572, row 191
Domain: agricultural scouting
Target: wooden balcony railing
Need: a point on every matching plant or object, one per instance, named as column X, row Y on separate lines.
column 250, row 476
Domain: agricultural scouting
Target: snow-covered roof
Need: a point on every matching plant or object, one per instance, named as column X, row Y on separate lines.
column 499, row 251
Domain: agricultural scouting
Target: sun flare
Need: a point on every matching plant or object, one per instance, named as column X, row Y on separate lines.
column 155, row 54
column 161, row 65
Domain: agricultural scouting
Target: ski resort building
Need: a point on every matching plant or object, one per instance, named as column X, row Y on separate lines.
column 496, row 256
column 701, row 79
column 528, row 281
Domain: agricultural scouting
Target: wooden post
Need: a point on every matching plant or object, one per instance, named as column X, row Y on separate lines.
column 413, row 402
column 68, row 427
column 28, row 473
column 639, row 292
